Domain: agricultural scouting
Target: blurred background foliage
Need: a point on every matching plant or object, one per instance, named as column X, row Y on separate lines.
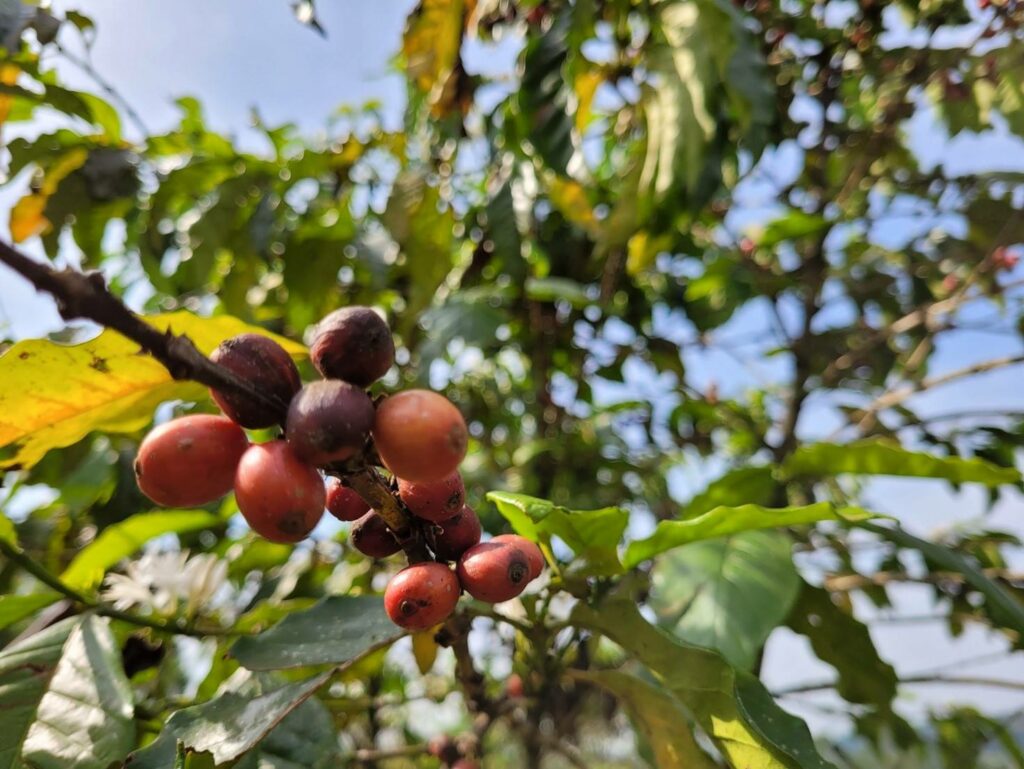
column 553, row 245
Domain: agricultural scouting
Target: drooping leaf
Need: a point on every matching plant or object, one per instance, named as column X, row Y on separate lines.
column 732, row 707
column 87, row 568
column 65, row 698
column 227, row 726
column 839, row 639
column 8, row 533
column 593, row 535
column 14, row 608
column 720, row 521
column 658, row 715
column 54, row 395
column 335, row 630
column 544, row 95
column 425, row 235
column 999, row 604
column 431, row 43
column 883, row 457
column 726, row 594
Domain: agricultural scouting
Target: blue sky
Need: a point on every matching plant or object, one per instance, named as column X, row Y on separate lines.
column 236, row 55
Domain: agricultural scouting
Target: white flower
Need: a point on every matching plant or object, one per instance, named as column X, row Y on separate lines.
column 161, row 582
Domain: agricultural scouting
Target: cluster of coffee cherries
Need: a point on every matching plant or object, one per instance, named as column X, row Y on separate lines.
column 419, row 436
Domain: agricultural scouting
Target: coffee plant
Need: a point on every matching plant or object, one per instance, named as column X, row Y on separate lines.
column 520, row 436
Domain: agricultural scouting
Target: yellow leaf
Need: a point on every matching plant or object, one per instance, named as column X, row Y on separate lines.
column 53, row 395
column 424, row 649
column 28, row 217
column 586, row 86
column 8, row 76
column 431, row 43
column 570, row 199
column 643, row 250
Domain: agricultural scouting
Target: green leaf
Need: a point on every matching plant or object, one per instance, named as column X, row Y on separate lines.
column 544, row 95
column 732, row 707
column 431, row 43
column 425, row 234
column 593, row 535
column 66, row 701
column 336, row 630
column 794, row 224
column 14, row 608
column 226, row 726
column 745, row 485
column 999, row 604
column 839, row 639
column 727, row 594
column 557, row 289
column 721, row 521
column 86, row 569
column 883, row 457
column 8, row 533
column 54, row 395
column 658, row 715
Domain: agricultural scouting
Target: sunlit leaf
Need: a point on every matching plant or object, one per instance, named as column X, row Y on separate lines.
column 227, row 726
column 593, row 535
column 732, row 707
column 659, row 716
column 727, row 593
column 721, row 521
column 87, row 568
column 66, row 701
column 54, row 395
column 431, row 43
column 883, row 457
column 14, row 608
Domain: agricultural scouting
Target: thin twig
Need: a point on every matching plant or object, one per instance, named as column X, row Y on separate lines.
column 999, row 683
column 86, row 66
column 369, row 756
column 846, row 582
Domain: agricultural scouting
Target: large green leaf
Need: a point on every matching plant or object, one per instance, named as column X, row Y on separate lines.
column 14, row 608
column 335, row 630
column 732, row 707
column 54, row 395
column 727, row 594
column 845, row 643
column 65, row 700
column 883, row 457
column 593, row 535
column 86, row 569
column 227, row 726
column 1000, row 605
column 721, row 521
column 658, row 715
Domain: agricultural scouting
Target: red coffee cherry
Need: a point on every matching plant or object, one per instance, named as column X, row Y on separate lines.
column 190, row 461
column 267, row 366
column 465, row 763
column 514, row 686
column 328, row 421
column 372, row 537
column 343, row 503
column 456, row 535
column 533, row 553
column 422, row 595
column 434, row 501
column 420, row 435
column 494, row 571
column 280, row 496
column 353, row 344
